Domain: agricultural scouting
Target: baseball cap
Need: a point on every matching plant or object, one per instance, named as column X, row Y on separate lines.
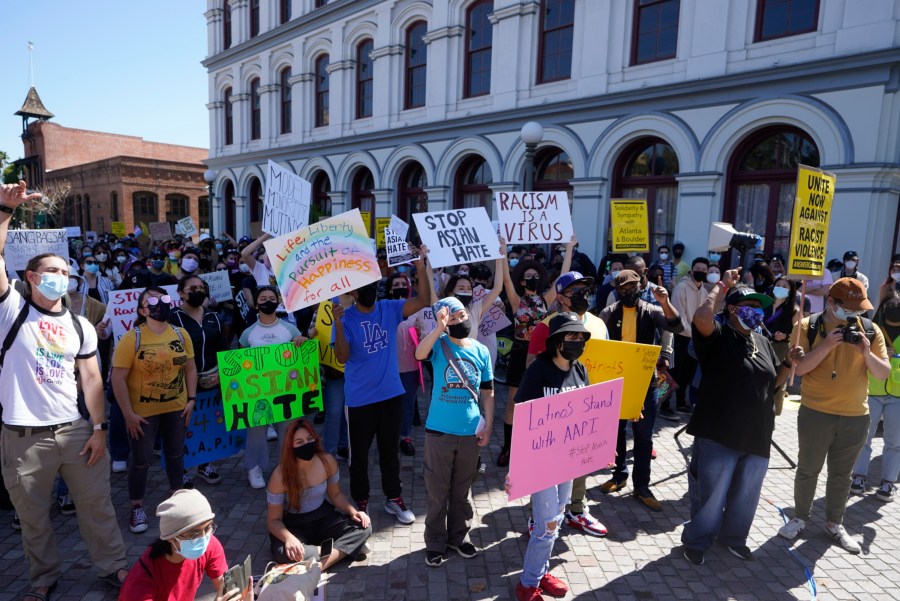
column 452, row 303
column 572, row 277
column 566, row 322
column 626, row 276
column 745, row 293
column 851, row 254
column 851, row 293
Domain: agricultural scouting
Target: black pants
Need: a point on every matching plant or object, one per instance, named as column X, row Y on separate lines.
column 316, row 526
column 685, row 367
column 381, row 422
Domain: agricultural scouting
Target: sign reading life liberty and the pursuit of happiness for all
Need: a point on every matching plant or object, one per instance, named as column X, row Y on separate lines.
column 534, row 217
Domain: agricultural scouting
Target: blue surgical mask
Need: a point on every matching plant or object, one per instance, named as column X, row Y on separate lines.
column 780, row 293
column 750, row 318
column 842, row 314
column 92, row 268
column 158, row 263
column 402, row 269
column 714, row 257
column 53, row 285
column 513, row 262
column 194, row 548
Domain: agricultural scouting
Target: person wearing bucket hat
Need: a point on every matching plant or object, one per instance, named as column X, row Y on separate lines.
column 172, row 568
column 841, row 349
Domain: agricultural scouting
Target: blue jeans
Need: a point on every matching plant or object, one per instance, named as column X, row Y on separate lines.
column 118, row 434
column 887, row 407
column 724, row 487
column 547, row 507
column 410, row 381
column 335, row 433
column 642, row 430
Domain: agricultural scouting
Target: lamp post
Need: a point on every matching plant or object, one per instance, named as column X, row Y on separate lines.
column 532, row 133
column 210, row 176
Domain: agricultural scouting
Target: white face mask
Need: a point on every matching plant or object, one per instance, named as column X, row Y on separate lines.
column 850, row 264
column 713, row 278
column 895, row 275
column 842, row 314
column 780, row 293
column 663, row 256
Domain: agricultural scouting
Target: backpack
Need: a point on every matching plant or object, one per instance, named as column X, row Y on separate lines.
column 21, row 318
column 817, row 326
column 137, row 337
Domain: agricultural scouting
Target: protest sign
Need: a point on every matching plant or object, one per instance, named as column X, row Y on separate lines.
column 121, row 309
column 457, row 236
column 118, row 228
column 286, row 205
column 324, row 324
column 206, row 438
column 809, row 226
column 398, row 226
column 493, row 317
column 22, row 245
column 323, row 260
column 398, row 250
column 367, row 221
column 563, row 436
column 629, row 225
column 90, row 237
column 73, row 231
column 266, row 385
column 219, row 285
column 187, row 226
column 532, row 217
column 380, row 224
column 610, row 359
column 160, row 231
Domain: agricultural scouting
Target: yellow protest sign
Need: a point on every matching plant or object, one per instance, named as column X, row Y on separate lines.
column 629, row 225
column 809, row 226
column 610, row 359
column 380, row 224
column 324, row 323
column 367, row 221
column 118, row 228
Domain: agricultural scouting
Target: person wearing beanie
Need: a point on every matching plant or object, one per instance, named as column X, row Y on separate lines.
column 172, row 568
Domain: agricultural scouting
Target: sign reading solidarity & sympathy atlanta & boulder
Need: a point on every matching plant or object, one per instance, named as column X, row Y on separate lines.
column 563, row 436
column 398, row 250
column 22, row 245
column 380, row 224
column 266, row 385
column 117, row 228
column 206, row 438
column 629, row 224
column 533, row 217
column 286, row 204
column 809, row 226
column 457, row 236
column 610, row 359
column 323, row 260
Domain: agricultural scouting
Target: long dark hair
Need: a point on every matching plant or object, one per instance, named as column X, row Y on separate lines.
column 518, row 273
column 785, row 321
column 290, row 475
column 451, row 284
column 140, row 319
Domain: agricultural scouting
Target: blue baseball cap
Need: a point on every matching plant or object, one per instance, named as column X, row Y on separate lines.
column 452, row 303
column 572, row 277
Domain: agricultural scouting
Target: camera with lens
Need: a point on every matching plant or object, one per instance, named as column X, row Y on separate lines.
column 851, row 332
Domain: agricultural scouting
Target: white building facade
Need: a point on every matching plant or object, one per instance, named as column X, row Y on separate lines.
column 704, row 107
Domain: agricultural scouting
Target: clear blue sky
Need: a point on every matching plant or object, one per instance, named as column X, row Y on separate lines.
column 121, row 66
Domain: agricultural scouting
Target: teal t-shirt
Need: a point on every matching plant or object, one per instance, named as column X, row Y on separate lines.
column 453, row 408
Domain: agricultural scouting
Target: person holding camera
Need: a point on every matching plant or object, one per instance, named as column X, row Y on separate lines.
column 841, row 348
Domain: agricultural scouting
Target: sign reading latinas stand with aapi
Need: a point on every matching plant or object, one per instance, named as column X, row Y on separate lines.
column 534, row 217
column 323, row 260
column 457, row 236
column 809, row 226
column 630, row 226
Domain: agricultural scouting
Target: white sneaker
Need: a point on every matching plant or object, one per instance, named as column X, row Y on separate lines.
column 255, row 476
column 792, row 529
column 271, row 434
column 398, row 508
column 119, row 467
column 840, row 536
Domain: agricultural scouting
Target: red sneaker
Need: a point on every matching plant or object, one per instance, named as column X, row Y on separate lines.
column 528, row 593
column 553, row 586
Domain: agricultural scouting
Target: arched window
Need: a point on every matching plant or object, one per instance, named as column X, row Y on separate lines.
column 472, row 179
column 255, row 110
column 322, row 91
column 654, row 35
column 762, row 182
column 226, row 26
column 321, row 200
column 416, row 65
column 284, row 11
column 479, row 42
column 284, row 79
column 177, row 207
column 557, row 29
column 254, row 18
column 255, row 196
column 362, row 196
column 143, row 206
column 646, row 169
column 411, row 196
column 230, row 208
column 553, row 170
column 228, row 126
column 364, row 79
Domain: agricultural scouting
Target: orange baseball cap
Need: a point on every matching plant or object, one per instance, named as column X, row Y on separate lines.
column 851, row 293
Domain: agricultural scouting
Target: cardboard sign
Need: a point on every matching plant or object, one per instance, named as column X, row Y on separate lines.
column 457, row 236
column 118, row 229
column 160, row 231
column 122, row 308
column 324, row 324
column 629, row 225
column 269, row 384
column 493, row 318
column 22, row 245
column 322, row 260
column 533, row 217
column 219, row 285
column 809, row 225
column 564, row 436
column 206, row 438
column 380, row 224
column 398, row 226
column 398, row 250
column 367, row 221
column 287, row 201
column 187, row 226
column 610, row 359
column 73, row 231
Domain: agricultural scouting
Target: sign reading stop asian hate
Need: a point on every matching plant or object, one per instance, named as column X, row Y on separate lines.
column 630, row 226
column 457, row 236
column 534, row 217
column 809, row 226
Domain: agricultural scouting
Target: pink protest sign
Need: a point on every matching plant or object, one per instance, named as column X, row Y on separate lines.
column 415, row 338
column 561, row 437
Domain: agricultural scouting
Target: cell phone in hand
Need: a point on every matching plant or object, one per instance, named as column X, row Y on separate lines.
column 325, row 548
column 237, row 577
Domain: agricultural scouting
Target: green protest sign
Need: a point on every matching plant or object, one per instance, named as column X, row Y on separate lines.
column 269, row 384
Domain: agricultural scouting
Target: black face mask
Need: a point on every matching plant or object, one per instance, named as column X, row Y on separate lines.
column 532, row 283
column 678, row 252
column 464, row 298
column 892, row 313
column 196, row 298
column 400, row 293
column 579, row 302
column 305, row 452
column 367, row 296
column 630, row 299
column 699, row 276
column 160, row 311
column 460, row 330
column 267, row 308
column 572, row 349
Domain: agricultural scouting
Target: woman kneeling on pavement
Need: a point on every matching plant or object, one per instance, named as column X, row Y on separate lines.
column 306, row 504
column 733, row 419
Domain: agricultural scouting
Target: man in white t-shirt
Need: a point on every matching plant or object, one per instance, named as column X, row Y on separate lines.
column 260, row 268
column 43, row 431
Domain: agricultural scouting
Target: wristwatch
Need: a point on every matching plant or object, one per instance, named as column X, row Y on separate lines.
column 192, row 398
column 7, row 209
column 101, row 426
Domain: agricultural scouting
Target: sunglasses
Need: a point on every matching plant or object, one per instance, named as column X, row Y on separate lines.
column 90, row 262
column 152, row 301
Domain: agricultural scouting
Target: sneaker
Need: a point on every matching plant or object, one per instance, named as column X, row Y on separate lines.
column 398, row 508
column 138, row 521
column 208, row 472
column 668, row 414
column 530, row 526
column 466, row 550
column 553, row 586
column 646, row 497
column 343, row 454
column 119, row 467
column 255, row 476
column 503, row 458
column 612, row 486
column 186, row 482
column 527, row 593
column 433, row 559
column 16, row 524
column 840, row 536
column 406, row 447
column 741, row 552
column 885, row 492
column 362, row 505
column 65, row 504
column 792, row 529
column 684, row 409
column 482, row 466
column 586, row 523
column 271, row 434
column 694, row 556
column 858, row 485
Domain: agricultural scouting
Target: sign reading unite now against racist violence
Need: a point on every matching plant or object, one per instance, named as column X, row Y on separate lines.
column 809, row 226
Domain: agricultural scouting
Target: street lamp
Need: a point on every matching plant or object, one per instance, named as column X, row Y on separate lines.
column 532, row 133
column 210, row 176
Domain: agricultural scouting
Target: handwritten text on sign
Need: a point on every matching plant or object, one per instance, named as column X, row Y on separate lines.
column 286, row 206
column 564, row 436
column 122, row 308
column 493, row 316
column 809, row 226
column 457, row 236
column 527, row 217
column 610, row 359
column 324, row 324
column 630, row 230
column 206, row 438
column 22, row 245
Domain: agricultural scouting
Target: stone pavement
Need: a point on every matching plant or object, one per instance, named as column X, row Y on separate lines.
column 641, row 559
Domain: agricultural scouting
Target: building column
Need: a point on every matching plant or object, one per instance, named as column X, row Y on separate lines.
column 442, row 87
column 240, row 106
column 216, row 134
column 240, row 21
column 384, row 202
column 213, row 31
column 590, row 215
column 340, row 202
column 513, row 25
column 496, row 188
column 438, row 198
column 699, row 204
column 271, row 112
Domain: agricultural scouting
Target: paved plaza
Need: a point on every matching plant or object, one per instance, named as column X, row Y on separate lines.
column 640, row 559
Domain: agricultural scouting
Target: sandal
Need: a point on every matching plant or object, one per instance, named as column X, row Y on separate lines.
column 33, row 594
column 113, row 579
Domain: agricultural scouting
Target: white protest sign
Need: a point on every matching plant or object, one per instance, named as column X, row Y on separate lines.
column 457, row 236
column 22, row 245
column 91, row 237
column 122, row 308
column 219, row 285
column 187, row 226
column 534, row 217
column 287, row 200
column 398, row 226
column 73, row 231
column 398, row 250
column 493, row 317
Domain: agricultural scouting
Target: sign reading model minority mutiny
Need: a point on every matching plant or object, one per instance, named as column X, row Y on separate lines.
column 809, row 226
column 286, row 205
column 534, row 217
column 323, row 260
column 457, row 236
column 265, row 385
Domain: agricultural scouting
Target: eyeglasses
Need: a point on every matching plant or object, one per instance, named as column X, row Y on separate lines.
column 155, row 300
column 198, row 533
column 90, row 262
